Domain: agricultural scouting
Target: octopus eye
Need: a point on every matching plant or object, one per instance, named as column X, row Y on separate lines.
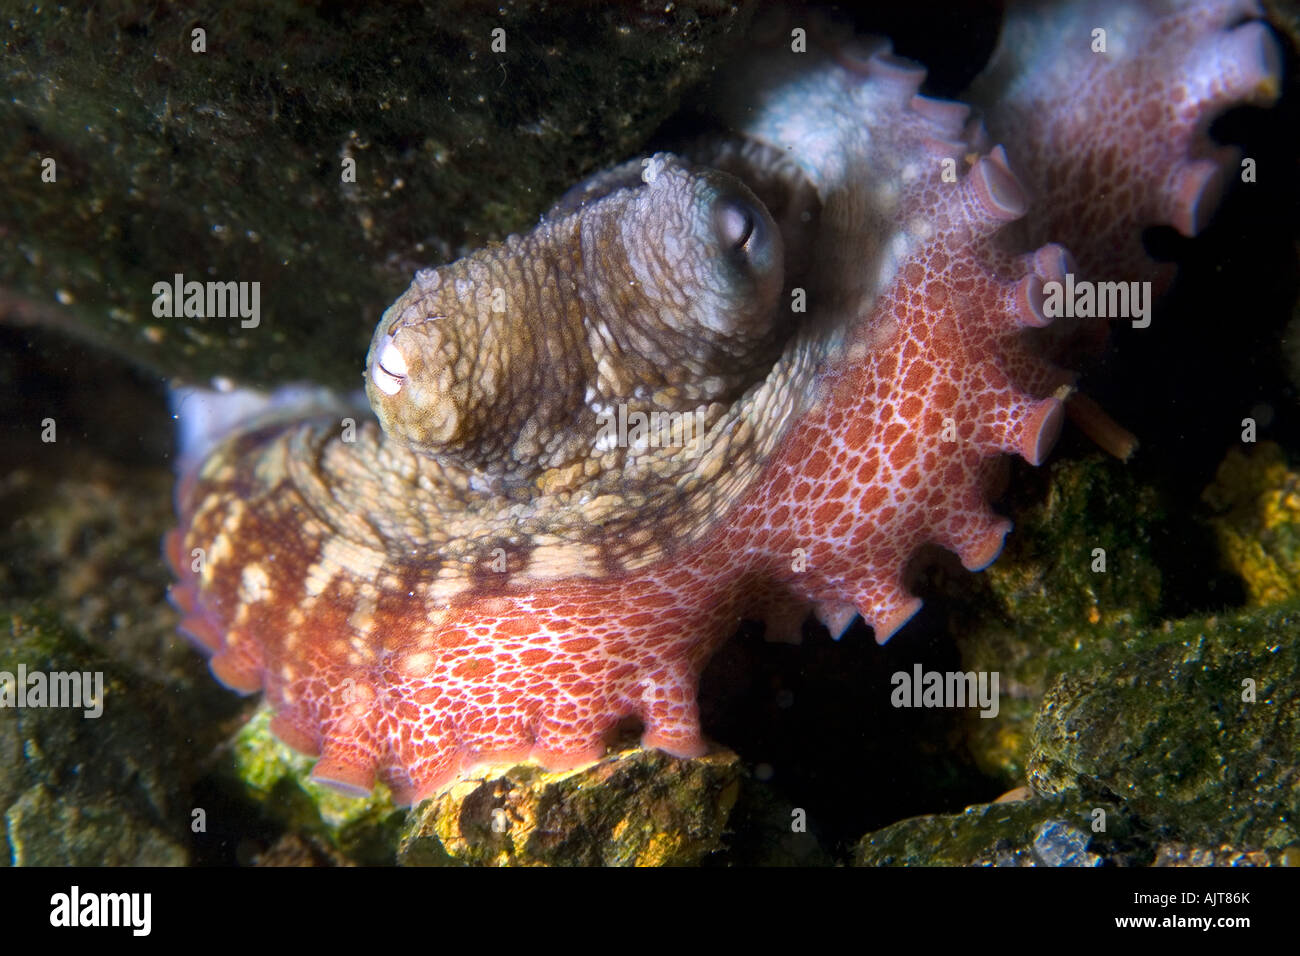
column 735, row 221
column 390, row 368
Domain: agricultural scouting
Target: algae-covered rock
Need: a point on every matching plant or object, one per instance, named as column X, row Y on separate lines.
column 1079, row 566
column 46, row 828
column 1180, row 854
column 1256, row 497
column 324, row 152
column 634, row 808
column 1106, row 706
column 1060, row 831
column 1066, row 830
column 1195, row 727
column 91, row 781
column 82, row 590
column 85, row 539
column 361, row 829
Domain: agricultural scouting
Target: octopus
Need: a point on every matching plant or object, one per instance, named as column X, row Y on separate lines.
column 747, row 378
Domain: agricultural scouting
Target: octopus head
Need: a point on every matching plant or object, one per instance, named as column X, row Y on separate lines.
column 654, row 279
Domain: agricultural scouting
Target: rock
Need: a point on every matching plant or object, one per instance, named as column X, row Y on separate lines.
column 45, row 828
column 228, row 163
column 1158, row 735
column 1035, row 832
column 80, row 789
column 1044, row 607
column 634, row 808
column 294, row 850
column 1194, row 726
column 1046, row 831
column 359, row 829
column 82, row 588
column 1179, row 854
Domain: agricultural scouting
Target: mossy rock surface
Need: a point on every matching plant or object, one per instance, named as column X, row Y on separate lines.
column 1194, row 726
column 1060, row 831
column 93, row 784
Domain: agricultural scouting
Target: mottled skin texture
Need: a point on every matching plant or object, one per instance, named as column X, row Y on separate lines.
column 656, row 287
column 482, row 581
column 1167, row 75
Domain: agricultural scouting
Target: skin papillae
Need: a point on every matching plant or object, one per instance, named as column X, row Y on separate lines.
column 486, row 572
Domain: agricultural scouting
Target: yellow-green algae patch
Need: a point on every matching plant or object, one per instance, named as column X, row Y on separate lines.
column 277, row 777
column 1256, row 497
column 1184, row 736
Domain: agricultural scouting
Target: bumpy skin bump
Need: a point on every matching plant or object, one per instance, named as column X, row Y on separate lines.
column 483, row 580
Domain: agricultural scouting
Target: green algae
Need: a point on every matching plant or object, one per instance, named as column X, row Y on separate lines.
column 1043, row 607
column 1059, row 831
column 1162, row 734
column 1157, row 737
column 633, row 808
column 1038, row 832
column 1079, row 567
column 1256, row 498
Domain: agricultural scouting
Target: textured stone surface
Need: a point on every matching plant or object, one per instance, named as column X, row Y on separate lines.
column 88, row 791
column 1048, row 831
column 1035, row 832
column 363, row 830
column 1042, row 608
column 634, row 808
column 1168, row 726
column 1150, row 726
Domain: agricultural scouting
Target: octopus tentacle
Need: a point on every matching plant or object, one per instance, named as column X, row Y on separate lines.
column 1098, row 177
column 482, row 574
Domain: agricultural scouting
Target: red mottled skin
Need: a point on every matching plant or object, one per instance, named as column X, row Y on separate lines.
column 932, row 382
